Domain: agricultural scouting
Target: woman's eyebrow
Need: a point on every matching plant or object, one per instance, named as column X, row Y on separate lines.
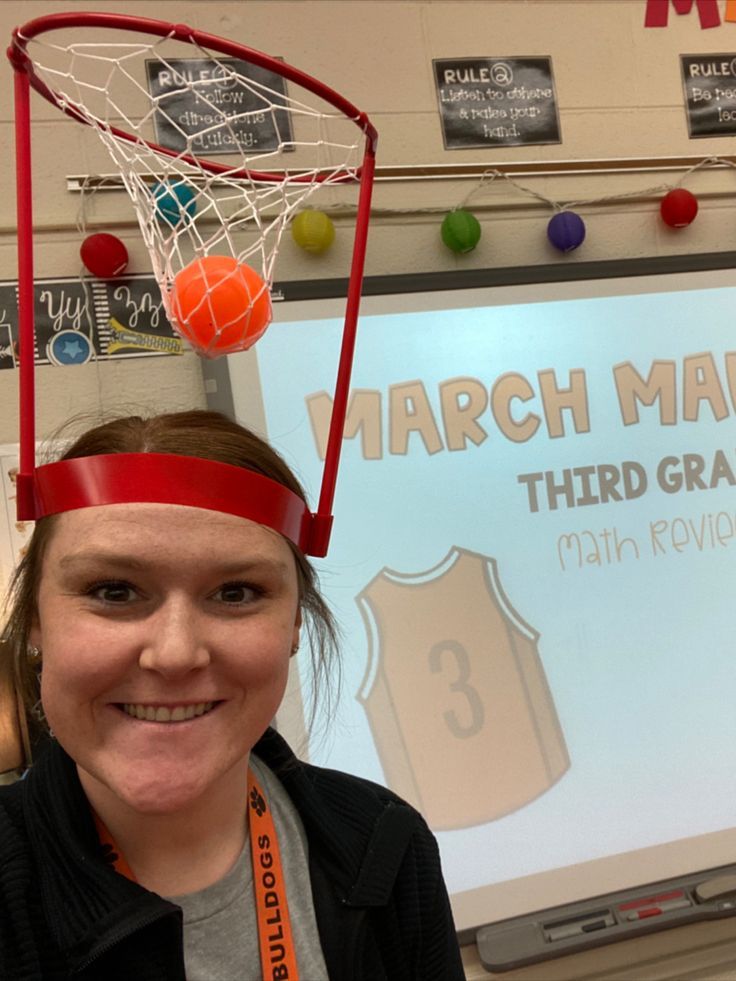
column 101, row 558
column 117, row 560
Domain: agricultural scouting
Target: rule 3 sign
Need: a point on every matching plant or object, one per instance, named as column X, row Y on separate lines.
column 709, row 81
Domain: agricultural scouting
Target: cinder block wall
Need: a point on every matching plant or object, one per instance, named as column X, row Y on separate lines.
column 619, row 94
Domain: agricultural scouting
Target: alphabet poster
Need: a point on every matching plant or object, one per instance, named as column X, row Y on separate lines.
column 14, row 534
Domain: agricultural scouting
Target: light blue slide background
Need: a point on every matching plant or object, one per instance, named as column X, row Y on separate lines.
column 639, row 654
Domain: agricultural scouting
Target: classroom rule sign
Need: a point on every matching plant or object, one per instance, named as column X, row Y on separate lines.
column 217, row 107
column 709, row 81
column 496, row 102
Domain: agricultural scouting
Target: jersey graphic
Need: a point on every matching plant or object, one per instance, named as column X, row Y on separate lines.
column 456, row 695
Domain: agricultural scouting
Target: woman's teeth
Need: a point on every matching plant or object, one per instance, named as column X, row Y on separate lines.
column 162, row 714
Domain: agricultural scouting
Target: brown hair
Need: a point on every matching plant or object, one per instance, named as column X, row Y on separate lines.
column 198, row 433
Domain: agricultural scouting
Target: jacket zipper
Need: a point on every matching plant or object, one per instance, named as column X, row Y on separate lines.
column 119, row 936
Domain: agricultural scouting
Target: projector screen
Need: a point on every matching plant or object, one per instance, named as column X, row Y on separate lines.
column 532, row 562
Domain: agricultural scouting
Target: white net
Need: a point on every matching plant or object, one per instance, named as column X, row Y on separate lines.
column 217, row 154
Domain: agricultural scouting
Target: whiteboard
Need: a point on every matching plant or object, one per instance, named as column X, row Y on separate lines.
column 534, row 541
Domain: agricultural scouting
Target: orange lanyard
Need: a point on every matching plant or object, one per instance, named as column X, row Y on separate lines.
column 278, row 956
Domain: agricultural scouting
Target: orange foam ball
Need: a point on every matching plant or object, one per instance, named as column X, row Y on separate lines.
column 220, row 305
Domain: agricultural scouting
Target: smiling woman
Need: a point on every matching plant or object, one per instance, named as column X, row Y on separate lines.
column 145, row 610
column 164, row 830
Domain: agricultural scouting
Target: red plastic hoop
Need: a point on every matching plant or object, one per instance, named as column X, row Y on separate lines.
column 39, row 494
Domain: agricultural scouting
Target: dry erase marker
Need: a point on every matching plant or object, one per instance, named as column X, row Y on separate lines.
column 647, row 911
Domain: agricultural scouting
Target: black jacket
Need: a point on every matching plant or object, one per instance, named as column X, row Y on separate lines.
column 381, row 905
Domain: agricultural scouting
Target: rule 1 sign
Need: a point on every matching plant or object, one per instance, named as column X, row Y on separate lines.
column 208, row 107
column 709, row 81
column 496, row 102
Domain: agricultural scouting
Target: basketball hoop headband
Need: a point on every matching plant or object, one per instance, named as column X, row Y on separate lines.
column 206, row 224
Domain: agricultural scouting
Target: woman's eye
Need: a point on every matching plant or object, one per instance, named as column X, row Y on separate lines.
column 112, row 592
column 236, row 593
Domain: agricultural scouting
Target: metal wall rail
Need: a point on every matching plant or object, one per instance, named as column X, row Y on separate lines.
column 475, row 171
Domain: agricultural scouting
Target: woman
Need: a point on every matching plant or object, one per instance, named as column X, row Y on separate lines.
column 162, row 633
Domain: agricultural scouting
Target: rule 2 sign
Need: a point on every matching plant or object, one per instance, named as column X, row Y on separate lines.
column 496, row 102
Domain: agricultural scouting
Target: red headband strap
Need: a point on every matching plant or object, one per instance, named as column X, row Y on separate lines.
column 165, row 478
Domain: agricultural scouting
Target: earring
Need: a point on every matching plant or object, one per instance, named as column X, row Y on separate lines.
column 38, row 713
column 34, row 655
column 294, row 648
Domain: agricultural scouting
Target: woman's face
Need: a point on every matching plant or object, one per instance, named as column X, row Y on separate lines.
column 166, row 633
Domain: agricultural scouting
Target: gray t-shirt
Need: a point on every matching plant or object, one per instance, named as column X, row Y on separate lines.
column 220, row 929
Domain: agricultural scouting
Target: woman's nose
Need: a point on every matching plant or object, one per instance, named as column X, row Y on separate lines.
column 175, row 642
